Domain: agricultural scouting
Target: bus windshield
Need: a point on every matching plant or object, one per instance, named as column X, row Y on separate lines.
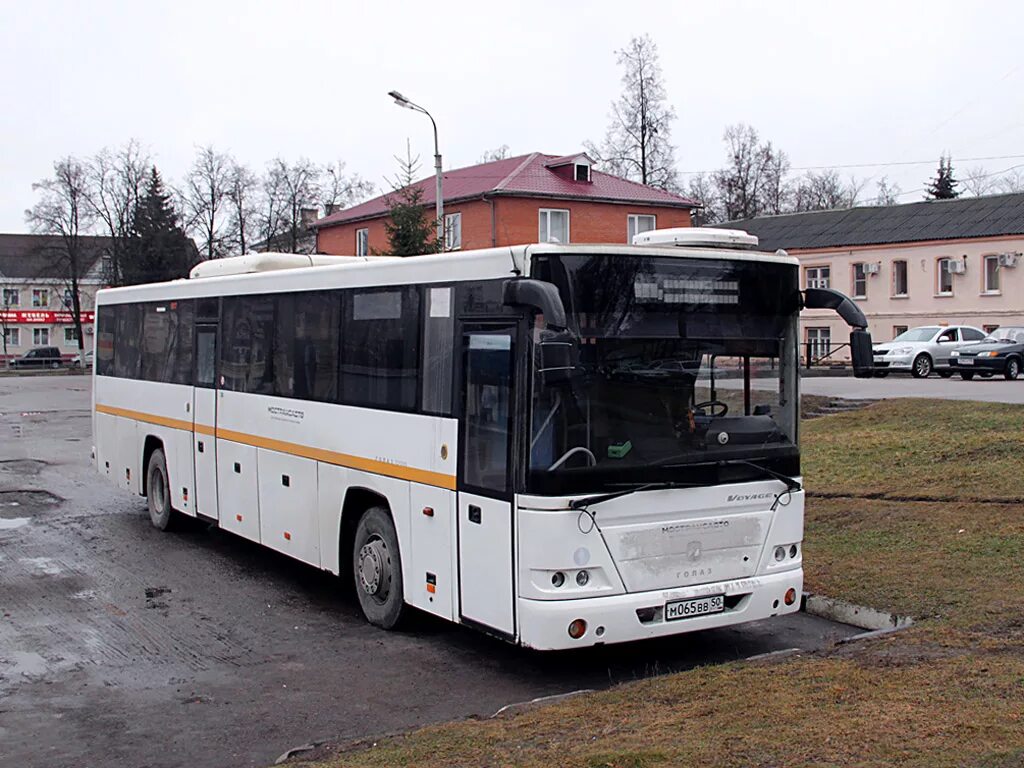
column 682, row 363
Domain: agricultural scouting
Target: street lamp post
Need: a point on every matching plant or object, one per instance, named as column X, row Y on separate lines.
column 401, row 101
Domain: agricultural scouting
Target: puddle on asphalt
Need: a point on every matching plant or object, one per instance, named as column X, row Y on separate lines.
column 44, row 565
column 16, row 504
column 10, row 523
column 22, row 466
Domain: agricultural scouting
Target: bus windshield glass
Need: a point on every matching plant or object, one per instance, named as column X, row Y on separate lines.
column 682, row 364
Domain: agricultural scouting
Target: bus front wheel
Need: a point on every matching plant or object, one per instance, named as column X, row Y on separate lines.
column 158, row 492
column 377, row 567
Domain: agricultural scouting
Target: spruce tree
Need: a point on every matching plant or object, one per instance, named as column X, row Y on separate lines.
column 943, row 186
column 411, row 230
column 159, row 249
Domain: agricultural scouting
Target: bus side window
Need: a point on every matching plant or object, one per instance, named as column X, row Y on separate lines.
column 438, row 343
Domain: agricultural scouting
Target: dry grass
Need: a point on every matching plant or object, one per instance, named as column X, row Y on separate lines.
column 948, row 692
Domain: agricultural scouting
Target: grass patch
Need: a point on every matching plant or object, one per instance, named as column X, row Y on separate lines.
column 947, row 692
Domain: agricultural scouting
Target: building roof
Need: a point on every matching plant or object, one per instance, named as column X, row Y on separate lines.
column 522, row 176
column 958, row 219
column 41, row 256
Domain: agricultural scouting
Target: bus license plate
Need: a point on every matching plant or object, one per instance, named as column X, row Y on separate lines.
column 701, row 606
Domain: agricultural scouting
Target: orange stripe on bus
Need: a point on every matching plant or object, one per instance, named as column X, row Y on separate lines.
column 399, row 471
column 149, row 418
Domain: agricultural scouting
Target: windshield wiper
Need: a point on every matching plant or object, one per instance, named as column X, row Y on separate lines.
column 791, row 484
column 587, row 501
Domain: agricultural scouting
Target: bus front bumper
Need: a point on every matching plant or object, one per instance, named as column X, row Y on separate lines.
column 544, row 624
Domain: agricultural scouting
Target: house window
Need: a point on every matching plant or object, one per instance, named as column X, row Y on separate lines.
column 40, row 337
column 12, row 337
column 582, row 172
column 12, row 297
column 898, row 329
column 943, row 277
column 452, row 231
column 69, row 302
column 991, row 274
column 860, row 282
column 554, row 226
column 818, row 277
column 40, row 297
column 637, row 223
column 899, row 278
column 819, row 342
column 70, row 336
column 362, row 242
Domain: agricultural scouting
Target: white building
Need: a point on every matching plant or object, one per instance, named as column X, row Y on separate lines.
column 35, row 293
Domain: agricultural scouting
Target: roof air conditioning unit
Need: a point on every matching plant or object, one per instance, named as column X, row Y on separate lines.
column 872, row 268
column 957, row 267
column 1009, row 259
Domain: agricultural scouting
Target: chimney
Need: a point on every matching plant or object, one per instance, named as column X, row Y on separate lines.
column 309, row 216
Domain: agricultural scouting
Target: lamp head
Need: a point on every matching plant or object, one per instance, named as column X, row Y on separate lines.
column 400, row 100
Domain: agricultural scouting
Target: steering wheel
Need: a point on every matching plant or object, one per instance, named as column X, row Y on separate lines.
column 711, row 405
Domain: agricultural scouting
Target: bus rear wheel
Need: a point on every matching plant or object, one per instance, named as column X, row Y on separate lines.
column 158, row 492
column 377, row 567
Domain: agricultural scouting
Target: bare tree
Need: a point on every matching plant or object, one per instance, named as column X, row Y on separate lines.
column 290, row 191
column 116, row 182
column 1010, row 181
column 886, row 193
column 753, row 181
column 243, row 204
column 339, row 189
column 63, row 210
column 703, row 190
column 978, row 181
column 204, row 200
column 825, row 190
column 491, row 155
column 638, row 144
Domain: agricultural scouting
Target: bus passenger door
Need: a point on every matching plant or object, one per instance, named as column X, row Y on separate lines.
column 204, row 409
column 485, row 521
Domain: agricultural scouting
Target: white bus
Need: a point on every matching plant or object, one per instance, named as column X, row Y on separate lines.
column 561, row 445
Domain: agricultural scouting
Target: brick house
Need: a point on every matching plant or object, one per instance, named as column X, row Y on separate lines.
column 954, row 262
column 526, row 199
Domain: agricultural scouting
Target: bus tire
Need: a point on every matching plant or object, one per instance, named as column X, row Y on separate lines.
column 377, row 568
column 158, row 492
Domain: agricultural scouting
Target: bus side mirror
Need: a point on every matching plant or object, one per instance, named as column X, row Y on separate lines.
column 557, row 357
column 542, row 296
column 829, row 298
column 861, row 353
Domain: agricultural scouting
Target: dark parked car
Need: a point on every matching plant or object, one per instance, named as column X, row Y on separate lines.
column 1000, row 352
column 40, row 357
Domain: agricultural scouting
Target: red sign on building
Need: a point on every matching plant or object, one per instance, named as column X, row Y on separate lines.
column 43, row 317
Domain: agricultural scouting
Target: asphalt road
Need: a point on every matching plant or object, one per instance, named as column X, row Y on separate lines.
column 994, row 390
column 120, row 645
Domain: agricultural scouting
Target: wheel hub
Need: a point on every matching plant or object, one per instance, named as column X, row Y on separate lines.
column 375, row 569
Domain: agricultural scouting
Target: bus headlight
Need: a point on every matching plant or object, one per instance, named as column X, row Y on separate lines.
column 582, row 578
column 780, row 554
column 557, row 579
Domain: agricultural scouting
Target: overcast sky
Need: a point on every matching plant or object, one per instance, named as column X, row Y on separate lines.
column 862, row 83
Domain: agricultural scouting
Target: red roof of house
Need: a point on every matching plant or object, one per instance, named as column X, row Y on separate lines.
column 523, row 176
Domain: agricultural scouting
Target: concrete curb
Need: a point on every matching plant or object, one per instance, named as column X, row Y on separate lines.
column 871, row 619
column 521, row 706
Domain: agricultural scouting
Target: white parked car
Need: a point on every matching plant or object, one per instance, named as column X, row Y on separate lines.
column 76, row 361
column 921, row 351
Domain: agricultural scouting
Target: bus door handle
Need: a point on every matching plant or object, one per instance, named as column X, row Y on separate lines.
column 474, row 514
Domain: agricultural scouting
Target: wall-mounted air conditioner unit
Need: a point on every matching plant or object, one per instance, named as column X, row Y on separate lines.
column 957, row 267
column 1009, row 259
column 872, row 268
